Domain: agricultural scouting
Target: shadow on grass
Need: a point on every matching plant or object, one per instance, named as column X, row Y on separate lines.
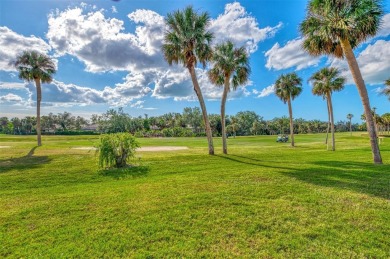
column 26, row 162
column 250, row 161
column 365, row 178
column 127, row 172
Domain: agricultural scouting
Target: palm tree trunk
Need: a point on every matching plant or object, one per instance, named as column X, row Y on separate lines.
column 203, row 108
column 328, row 127
column 329, row 98
column 350, row 126
column 39, row 98
column 291, row 123
column 223, row 104
column 357, row 77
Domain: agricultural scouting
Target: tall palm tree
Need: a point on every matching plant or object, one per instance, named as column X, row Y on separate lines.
column 188, row 42
column 386, row 91
column 287, row 88
column 231, row 66
column 349, row 117
column 37, row 67
column 336, row 27
column 325, row 82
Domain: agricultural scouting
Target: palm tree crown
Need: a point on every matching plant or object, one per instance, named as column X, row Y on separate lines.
column 288, row 86
column 327, row 80
column 33, row 65
column 386, row 91
column 329, row 21
column 349, row 116
column 187, row 40
column 229, row 62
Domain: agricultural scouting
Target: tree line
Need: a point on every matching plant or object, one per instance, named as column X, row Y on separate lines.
column 189, row 123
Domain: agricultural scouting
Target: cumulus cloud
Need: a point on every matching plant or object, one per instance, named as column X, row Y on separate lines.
column 12, row 85
column 265, row 91
column 13, row 44
column 237, row 25
column 10, row 98
column 290, row 55
column 113, row 9
column 102, row 44
column 373, row 63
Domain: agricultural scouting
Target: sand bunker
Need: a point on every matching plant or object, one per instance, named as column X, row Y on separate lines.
column 5, row 146
column 144, row 149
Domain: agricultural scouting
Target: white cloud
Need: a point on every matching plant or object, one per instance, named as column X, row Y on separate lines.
column 373, row 63
column 290, row 55
column 385, row 26
column 12, row 85
column 10, row 98
column 102, row 45
column 237, row 25
column 113, row 9
column 265, row 91
column 13, row 44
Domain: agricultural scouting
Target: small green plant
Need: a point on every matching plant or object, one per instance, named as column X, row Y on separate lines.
column 116, row 149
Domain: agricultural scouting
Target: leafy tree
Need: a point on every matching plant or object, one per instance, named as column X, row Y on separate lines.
column 287, row 88
column 245, row 120
column 37, row 67
column 336, row 27
column 349, row 117
column 116, row 149
column 187, row 41
column 325, row 82
column 231, row 66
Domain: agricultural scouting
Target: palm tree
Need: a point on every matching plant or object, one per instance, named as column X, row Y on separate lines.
column 386, row 91
column 231, row 65
column 349, row 117
column 336, row 27
column 187, row 41
column 287, row 88
column 325, row 82
column 37, row 67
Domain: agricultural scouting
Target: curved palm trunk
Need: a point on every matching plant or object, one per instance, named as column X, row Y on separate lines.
column 39, row 98
column 329, row 98
column 291, row 123
column 203, row 108
column 357, row 77
column 223, row 104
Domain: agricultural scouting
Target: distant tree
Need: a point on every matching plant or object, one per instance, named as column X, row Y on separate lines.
column 187, row 42
column 37, row 67
column 336, row 27
column 230, row 66
column 325, row 82
column 287, row 88
column 349, row 117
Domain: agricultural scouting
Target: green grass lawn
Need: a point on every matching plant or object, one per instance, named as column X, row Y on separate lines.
column 264, row 199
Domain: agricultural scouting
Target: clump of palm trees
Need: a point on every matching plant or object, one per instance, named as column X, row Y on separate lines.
column 325, row 82
column 188, row 42
column 336, row 27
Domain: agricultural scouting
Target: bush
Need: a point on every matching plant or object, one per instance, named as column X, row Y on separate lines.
column 116, row 149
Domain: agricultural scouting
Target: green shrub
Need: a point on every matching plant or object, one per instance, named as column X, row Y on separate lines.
column 116, row 149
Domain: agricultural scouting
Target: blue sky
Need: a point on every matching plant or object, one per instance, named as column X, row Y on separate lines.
column 108, row 55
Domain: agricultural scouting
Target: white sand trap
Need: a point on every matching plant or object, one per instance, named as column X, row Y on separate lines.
column 143, row 149
column 161, row 148
column 5, row 146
